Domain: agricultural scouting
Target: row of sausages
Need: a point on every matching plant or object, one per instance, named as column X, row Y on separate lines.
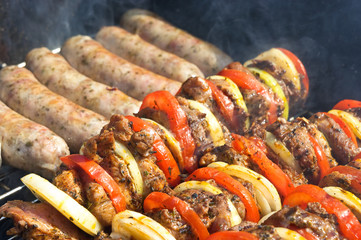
column 75, row 93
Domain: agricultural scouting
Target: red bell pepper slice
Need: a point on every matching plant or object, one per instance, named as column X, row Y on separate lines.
column 167, row 103
column 358, row 156
column 299, row 67
column 232, row 185
column 302, row 195
column 269, row 169
column 165, row 159
column 352, row 173
column 347, row 130
column 102, row 177
column 248, row 81
column 237, row 235
column 259, row 143
column 322, row 160
column 159, row 200
column 225, row 105
column 347, row 104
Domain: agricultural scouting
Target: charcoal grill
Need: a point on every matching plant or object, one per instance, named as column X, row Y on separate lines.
column 325, row 35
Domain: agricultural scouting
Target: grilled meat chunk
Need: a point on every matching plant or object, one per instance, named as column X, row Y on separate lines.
column 212, row 209
column 263, row 232
column 102, row 149
column 70, row 183
column 342, row 146
column 174, row 223
column 294, row 135
column 39, row 221
column 341, row 180
column 316, row 221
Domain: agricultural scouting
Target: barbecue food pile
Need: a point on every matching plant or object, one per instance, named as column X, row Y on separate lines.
column 202, row 158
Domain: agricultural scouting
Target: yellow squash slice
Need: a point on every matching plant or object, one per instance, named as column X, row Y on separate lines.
column 347, row 198
column 66, row 205
column 351, row 120
column 272, row 83
column 281, row 61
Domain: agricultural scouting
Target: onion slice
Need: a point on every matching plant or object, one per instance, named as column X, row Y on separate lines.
column 133, row 225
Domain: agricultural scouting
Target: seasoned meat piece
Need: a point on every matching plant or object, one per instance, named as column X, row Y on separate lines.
column 102, row 149
column 321, row 226
column 174, row 223
column 338, row 179
column 263, row 232
column 196, row 88
column 99, row 203
column 153, row 178
column 224, row 154
column 342, row 146
column 321, row 139
column 39, row 221
column 70, row 183
column 212, row 209
column 142, row 141
column 294, row 135
column 198, row 125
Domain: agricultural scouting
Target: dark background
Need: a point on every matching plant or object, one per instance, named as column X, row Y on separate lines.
column 325, row 35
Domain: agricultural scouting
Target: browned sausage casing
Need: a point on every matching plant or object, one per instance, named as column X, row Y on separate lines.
column 28, row 145
column 21, row 91
column 54, row 71
column 134, row 49
column 92, row 59
column 151, row 28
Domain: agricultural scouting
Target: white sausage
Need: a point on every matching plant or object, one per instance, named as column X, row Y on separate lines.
column 23, row 93
column 28, row 145
column 92, row 59
column 54, row 71
column 134, row 49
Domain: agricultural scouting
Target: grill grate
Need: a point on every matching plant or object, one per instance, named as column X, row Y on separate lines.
column 11, row 188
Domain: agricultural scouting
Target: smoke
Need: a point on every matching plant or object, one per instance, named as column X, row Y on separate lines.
column 325, row 35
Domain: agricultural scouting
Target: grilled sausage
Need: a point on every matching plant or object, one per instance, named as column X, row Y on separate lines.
column 92, row 59
column 28, row 145
column 22, row 92
column 54, row 72
column 134, row 49
column 206, row 56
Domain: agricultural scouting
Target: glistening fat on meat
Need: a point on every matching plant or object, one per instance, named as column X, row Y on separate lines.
column 28, row 145
column 134, row 49
column 54, row 71
column 92, row 59
column 151, row 28
column 21, row 91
